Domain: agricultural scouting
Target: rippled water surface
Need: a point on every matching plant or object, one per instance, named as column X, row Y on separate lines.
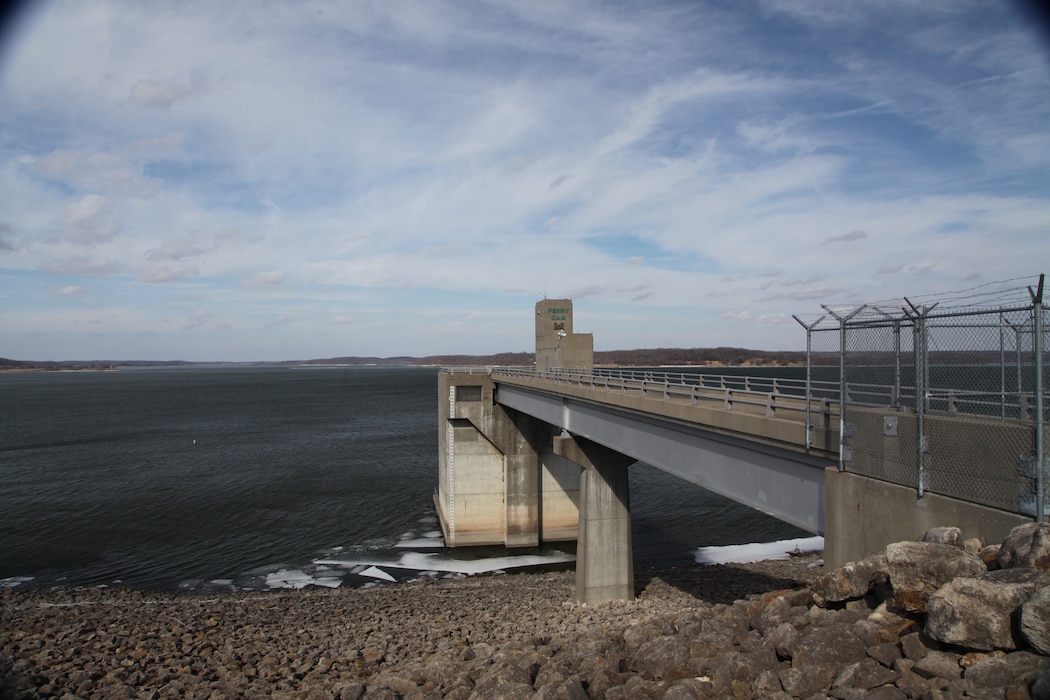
column 246, row 477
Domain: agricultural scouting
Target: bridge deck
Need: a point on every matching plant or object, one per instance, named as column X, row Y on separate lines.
column 738, row 443
column 769, row 411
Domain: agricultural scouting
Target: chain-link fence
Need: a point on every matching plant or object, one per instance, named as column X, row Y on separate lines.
column 946, row 394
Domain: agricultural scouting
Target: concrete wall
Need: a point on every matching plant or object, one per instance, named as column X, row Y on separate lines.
column 498, row 480
column 559, row 498
column 471, row 481
column 862, row 515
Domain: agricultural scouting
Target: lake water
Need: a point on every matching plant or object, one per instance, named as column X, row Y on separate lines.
column 225, row 478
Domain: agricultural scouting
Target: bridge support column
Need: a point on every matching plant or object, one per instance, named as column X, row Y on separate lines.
column 520, row 437
column 604, row 555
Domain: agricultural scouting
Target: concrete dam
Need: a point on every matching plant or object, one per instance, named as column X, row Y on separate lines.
column 541, row 454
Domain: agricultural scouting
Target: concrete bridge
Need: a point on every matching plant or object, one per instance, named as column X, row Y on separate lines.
column 531, row 455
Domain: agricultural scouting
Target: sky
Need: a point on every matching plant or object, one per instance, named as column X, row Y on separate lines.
column 253, row 180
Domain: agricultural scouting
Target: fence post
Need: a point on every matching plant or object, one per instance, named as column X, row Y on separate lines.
column 897, row 363
column 1040, row 448
column 922, row 381
column 1002, row 369
column 809, row 375
column 842, row 377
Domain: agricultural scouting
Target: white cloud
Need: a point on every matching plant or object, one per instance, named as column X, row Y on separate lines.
column 104, row 171
column 156, row 95
column 91, row 220
column 265, row 280
column 675, row 169
column 281, row 320
column 70, row 290
column 177, row 249
column 81, row 265
column 160, row 274
column 199, row 318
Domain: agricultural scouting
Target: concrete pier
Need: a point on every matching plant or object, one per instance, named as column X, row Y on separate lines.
column 604, row 555
column 499, row 480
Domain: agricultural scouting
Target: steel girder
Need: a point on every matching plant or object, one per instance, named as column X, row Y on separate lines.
column 781, row 483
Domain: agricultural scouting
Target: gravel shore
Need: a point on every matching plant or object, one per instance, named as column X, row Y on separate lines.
column 425, row 639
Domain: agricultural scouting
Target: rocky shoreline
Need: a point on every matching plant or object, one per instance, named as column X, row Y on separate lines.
column 763, row 630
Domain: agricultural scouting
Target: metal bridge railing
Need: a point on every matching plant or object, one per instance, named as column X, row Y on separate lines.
column 773, row 397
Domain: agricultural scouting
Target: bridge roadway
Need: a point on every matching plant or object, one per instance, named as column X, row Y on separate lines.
column 745, row 438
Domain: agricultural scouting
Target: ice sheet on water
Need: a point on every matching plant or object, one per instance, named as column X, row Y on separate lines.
column 14, row 581
column 294, row 578
column 376, row 572
column 421, row 544
column 422, row 561
column 781, row 549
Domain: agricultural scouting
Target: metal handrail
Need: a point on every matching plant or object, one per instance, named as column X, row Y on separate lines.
column 771, row 393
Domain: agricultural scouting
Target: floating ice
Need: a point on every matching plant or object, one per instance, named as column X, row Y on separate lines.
column 781, row 549
column 374, row 572
column 434, row 562
column 418, row 560
column 14, row 581
column 328, row 582
column 421, row 544
column 289, row 579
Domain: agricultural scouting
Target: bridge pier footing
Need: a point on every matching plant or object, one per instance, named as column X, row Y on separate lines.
column 604, row 554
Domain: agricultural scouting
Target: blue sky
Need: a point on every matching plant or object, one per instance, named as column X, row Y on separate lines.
column 262, row 181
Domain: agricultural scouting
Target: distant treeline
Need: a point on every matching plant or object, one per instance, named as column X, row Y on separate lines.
column 44, row 366
column 625, row 358
column 654, row 357
column 709, row 356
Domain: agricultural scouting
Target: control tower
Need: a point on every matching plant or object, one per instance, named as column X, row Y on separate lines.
column 557, row 347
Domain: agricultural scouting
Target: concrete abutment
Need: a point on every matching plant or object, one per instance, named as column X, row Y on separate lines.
column 862, row 515
column 499, row 479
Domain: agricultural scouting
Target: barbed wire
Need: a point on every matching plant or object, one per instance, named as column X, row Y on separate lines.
column 990, row 297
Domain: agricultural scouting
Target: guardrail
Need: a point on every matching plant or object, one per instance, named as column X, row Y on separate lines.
column 772, row 396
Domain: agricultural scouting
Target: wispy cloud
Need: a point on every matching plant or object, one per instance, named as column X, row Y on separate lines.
column 688, row 172
column 855, row 235
column 265, row 280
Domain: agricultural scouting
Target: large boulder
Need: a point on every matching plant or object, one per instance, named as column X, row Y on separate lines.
column 827, row 650
column 944, row 535
column 1027, row 546
column 1019, row 668
column 852, row 580
column 1035, row 621
column 917, row 569
column 883, row 625
column 865, row 675
column 978, row 612
column 785, row 638
column 663, row 658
